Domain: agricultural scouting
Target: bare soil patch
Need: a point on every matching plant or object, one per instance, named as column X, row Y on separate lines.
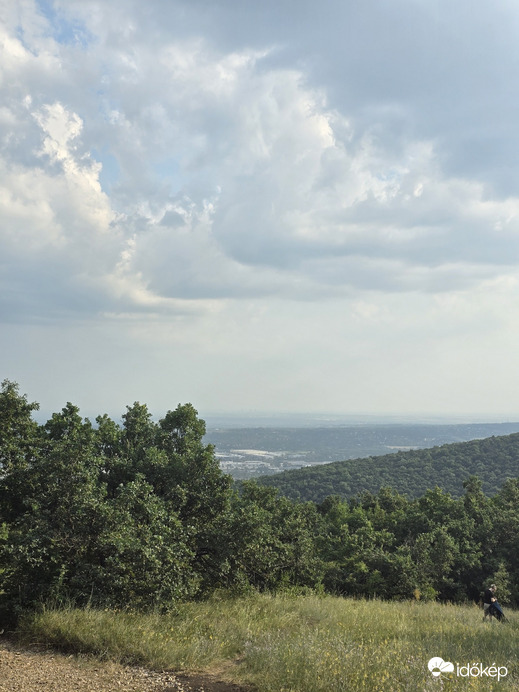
column 38, row 670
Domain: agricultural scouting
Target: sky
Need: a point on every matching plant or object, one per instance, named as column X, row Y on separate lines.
column 261, row 207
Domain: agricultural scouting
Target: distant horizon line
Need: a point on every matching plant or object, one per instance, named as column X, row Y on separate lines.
column 283, row 418
column 259, row 420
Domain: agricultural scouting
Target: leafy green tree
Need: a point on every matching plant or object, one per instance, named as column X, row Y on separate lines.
column 18, row 431
column 141, row 557
column 182, row 430
column 57, row 522
column 139, row 431
column 501, row 545
column 19, row 448
column 501, row 578
column 108, row 438
column 108, row 514
column 272, row 540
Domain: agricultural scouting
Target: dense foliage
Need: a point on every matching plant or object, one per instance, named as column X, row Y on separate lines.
column 411, row 473
column 135, row 514
column 139, row 514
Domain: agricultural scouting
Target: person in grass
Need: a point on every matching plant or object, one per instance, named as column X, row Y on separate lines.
column 488, row 599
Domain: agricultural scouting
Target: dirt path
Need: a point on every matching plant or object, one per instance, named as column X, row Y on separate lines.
column 31, row 670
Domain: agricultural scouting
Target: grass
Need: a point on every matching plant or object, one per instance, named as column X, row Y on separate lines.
column 296, row 644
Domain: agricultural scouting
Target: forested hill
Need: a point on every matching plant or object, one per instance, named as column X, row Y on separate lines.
column 493, row 459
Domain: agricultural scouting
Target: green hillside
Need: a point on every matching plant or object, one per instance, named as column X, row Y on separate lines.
column 412, row 473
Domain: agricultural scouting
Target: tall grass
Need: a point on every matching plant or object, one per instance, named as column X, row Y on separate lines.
column 297, row 644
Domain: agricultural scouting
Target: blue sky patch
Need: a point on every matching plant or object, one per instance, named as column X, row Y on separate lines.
column 63, row 29
column 110, row 171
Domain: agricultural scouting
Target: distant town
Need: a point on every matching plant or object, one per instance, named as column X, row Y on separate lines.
column 248, row 463
column 257, row 451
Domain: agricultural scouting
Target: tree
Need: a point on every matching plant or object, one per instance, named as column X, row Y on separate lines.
column 18, row 431
column 139, row 431
column 113, row 515
column 60, row 515
column 271, row 540
column 20, row 447
column 501, row 578
column 194, row 466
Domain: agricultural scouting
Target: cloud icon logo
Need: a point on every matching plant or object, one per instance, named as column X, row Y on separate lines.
column 437, row 666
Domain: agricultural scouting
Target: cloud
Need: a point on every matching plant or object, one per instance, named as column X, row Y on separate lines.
column 235, row 170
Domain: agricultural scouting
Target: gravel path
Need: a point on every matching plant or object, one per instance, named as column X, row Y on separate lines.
column 31, row 670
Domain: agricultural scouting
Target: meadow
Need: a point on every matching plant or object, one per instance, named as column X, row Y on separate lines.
column 303, row 643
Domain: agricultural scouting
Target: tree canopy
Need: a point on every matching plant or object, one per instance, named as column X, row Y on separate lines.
column 138, row 514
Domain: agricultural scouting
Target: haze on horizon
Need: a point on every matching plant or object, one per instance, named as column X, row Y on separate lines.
column 264, row 207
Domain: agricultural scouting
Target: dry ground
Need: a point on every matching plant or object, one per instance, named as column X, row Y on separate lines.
column 37, row 670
